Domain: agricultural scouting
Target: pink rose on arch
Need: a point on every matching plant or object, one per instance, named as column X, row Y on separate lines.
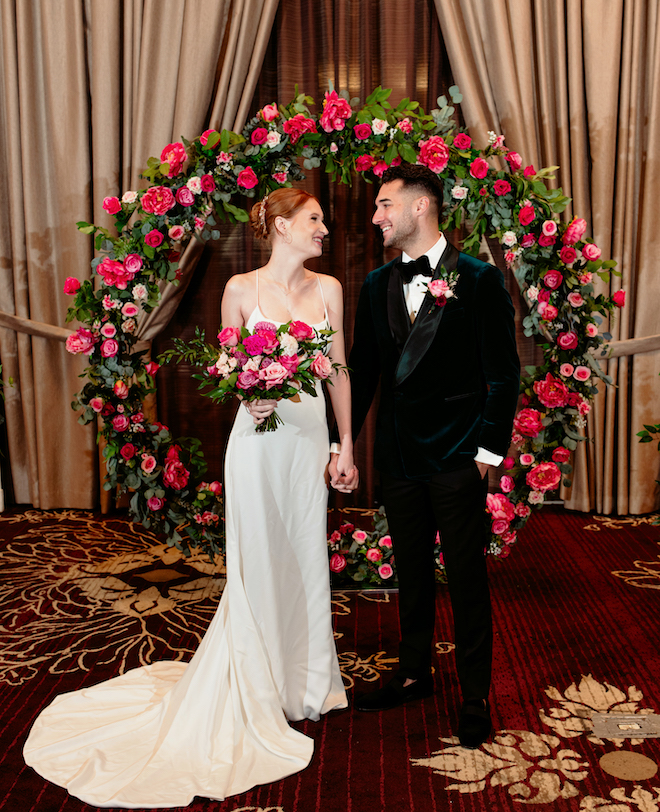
column 175, row 156
column 379, row 169
column 151, row 368
column 335, row 112
column 204, row 137
column 523, row 510
column 561, row 454
column 584, row 407
column 385, row 571
column 528, row 240
column 499, row 526
column 71, row 285
column 479, row 168
column 175, row 233
column 385, row 541
column 462, row 141
column 528, row 422
column 545, row 476
column 507, row 483
column 546, row 242
column 363, row 163
column 269, row 112
column 567, row 340
column 111, row 205
column 175, row 474
column 130, row 310
column 582, row 373
column 547, row 311
column 81, row 342
column 246, row 178
column 526, row 215
column 109, row 348
column 321, row 365
column 229, row 336
column 514, row 160
column 551, row 392
column 280, row 177
column 574, row 231
column 298, row 125
column 273, row 375
column 566, row 370
column 185, row 197
column 359, row 536
column 591, row 252
column 247, row 379
column 501, row 187
column 619, row 298
column 433, row 153
column 575, row 299
column 374, row 554
column 526, row 459
column 96, row 404
column 362, row 131
column 337, row 562
column 133, row 263
column 208, row 183
column 155, row 503
column 549, row 228
column 405, row 125
column 568, row 254
column 552, row 279
column 148, row 463
column 499, row 507
column 529, row 171
column 158, row 200
column 120, row 422
column 154, row 238
column 259, row 136
column 128, row 451
column 301, row 331
column 121, row 389
column 592, row 330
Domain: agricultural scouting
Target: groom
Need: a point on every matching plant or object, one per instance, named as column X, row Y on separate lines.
column 449, row 376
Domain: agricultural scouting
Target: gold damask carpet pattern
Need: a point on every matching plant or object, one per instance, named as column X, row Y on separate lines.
column 83, row 598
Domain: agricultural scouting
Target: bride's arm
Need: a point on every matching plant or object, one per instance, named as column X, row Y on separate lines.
column 344, row 474
column 232, row 314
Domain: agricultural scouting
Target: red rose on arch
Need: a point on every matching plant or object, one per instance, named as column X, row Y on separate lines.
column 297, row 126
column 561, row 454
column 363, row 163
column 545, row 476
column 567, row 340
column 362, row 131
column 501, row 187
column 619, row 298
column 175, row 474
column 552, row 279
column 526, row 215
column 259, row 136
column 462, row 141
column 247, row 179
column 479, row 168
column 551, row 392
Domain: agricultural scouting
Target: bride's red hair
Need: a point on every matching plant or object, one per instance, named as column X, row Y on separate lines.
column 280, row 203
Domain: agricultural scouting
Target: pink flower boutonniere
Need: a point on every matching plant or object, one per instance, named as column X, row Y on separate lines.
column 444, row 287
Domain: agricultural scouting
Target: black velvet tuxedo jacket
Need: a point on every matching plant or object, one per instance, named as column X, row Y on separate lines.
column 449, row 382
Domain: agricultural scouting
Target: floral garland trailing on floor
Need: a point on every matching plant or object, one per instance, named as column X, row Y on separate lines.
column 195, row 184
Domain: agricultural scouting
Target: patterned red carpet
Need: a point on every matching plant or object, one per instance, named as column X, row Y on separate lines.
column 576, row 631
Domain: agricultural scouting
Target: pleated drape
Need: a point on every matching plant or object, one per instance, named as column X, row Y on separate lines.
column 578, row 85
column 88, row 91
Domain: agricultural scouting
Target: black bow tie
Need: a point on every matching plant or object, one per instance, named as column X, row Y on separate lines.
column 421, row 265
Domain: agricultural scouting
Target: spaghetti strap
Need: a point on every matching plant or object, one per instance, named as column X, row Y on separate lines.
column 325, row 307
column 257, row 285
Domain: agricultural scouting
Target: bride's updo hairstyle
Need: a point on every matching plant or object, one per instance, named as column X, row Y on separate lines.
column 280, row 203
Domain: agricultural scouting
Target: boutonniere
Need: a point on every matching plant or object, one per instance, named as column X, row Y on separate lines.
column 443, row 288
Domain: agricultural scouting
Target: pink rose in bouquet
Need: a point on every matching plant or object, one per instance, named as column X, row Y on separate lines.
column 529, row 171
column 561, row 454
column 321, row 365
column 151, row 368
column 247, row 179
column 528, row 422
column 121, row 389
column 619, row 298
column 301, row 331
column 269, row 112
column 523, row 510
column 499, row 526
column 379, row 169
column 405, row 125
column 545, row 476
column 337, row 562
column 547, row 311
column 551, row 392
column 479, row 168
column 592, row 330
column 96, row 404
column 149, row 463
column 362, row 131
column 247, row 379
column 175, row 156
column 574, row 231
column 528, row 240
column 359, row 536
column 507, row 483
column 508, row 463
column 290, row 363
column 549, row 228
column 434, row 153
column 545, row 241
column 385, row 541
column 297, row 126
column 273, row 375
column 158, row 200
column 133, row 263
column 462, row 141
column 575, row 299
column 71, row 285
column 336, row 111
column 566, row 370
column 229, row 337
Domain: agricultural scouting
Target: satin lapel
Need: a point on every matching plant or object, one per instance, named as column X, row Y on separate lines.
column 426, row 324
column 397, row 314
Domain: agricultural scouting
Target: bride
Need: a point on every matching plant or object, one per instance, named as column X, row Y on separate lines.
column 162, row 734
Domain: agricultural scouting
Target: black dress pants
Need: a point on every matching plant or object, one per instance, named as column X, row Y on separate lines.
column 453, row 503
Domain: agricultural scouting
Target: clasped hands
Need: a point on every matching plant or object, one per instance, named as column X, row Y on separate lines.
column 344, row 476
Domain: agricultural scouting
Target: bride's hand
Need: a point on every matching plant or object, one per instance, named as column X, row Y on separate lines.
column 259, row 410
column 344, row 476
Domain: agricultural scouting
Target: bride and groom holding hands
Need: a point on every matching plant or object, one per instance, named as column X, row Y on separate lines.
column 448, row 372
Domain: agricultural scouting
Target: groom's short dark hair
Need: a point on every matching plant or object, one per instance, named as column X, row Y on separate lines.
column 416, row 176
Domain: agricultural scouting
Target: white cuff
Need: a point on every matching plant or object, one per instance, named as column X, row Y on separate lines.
column 335, row 448
column 484, row 455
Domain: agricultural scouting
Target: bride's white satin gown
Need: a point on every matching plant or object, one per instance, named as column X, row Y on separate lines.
column 160, row 735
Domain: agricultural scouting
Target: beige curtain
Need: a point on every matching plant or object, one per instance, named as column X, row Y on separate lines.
column 88, row 91
column 578, row 84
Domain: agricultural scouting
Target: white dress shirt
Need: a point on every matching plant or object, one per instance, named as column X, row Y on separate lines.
column 414, row 292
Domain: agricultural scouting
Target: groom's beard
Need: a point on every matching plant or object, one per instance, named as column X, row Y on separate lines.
column 401, row 234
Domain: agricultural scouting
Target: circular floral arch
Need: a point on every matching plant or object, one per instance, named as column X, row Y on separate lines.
column 195, row 184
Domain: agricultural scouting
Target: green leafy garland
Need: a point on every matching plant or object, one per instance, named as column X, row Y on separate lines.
column 196, row 184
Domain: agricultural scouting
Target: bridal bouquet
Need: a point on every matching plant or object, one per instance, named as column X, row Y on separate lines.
column 268, row 363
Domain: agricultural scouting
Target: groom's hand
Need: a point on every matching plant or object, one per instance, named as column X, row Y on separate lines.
column 343, row 481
